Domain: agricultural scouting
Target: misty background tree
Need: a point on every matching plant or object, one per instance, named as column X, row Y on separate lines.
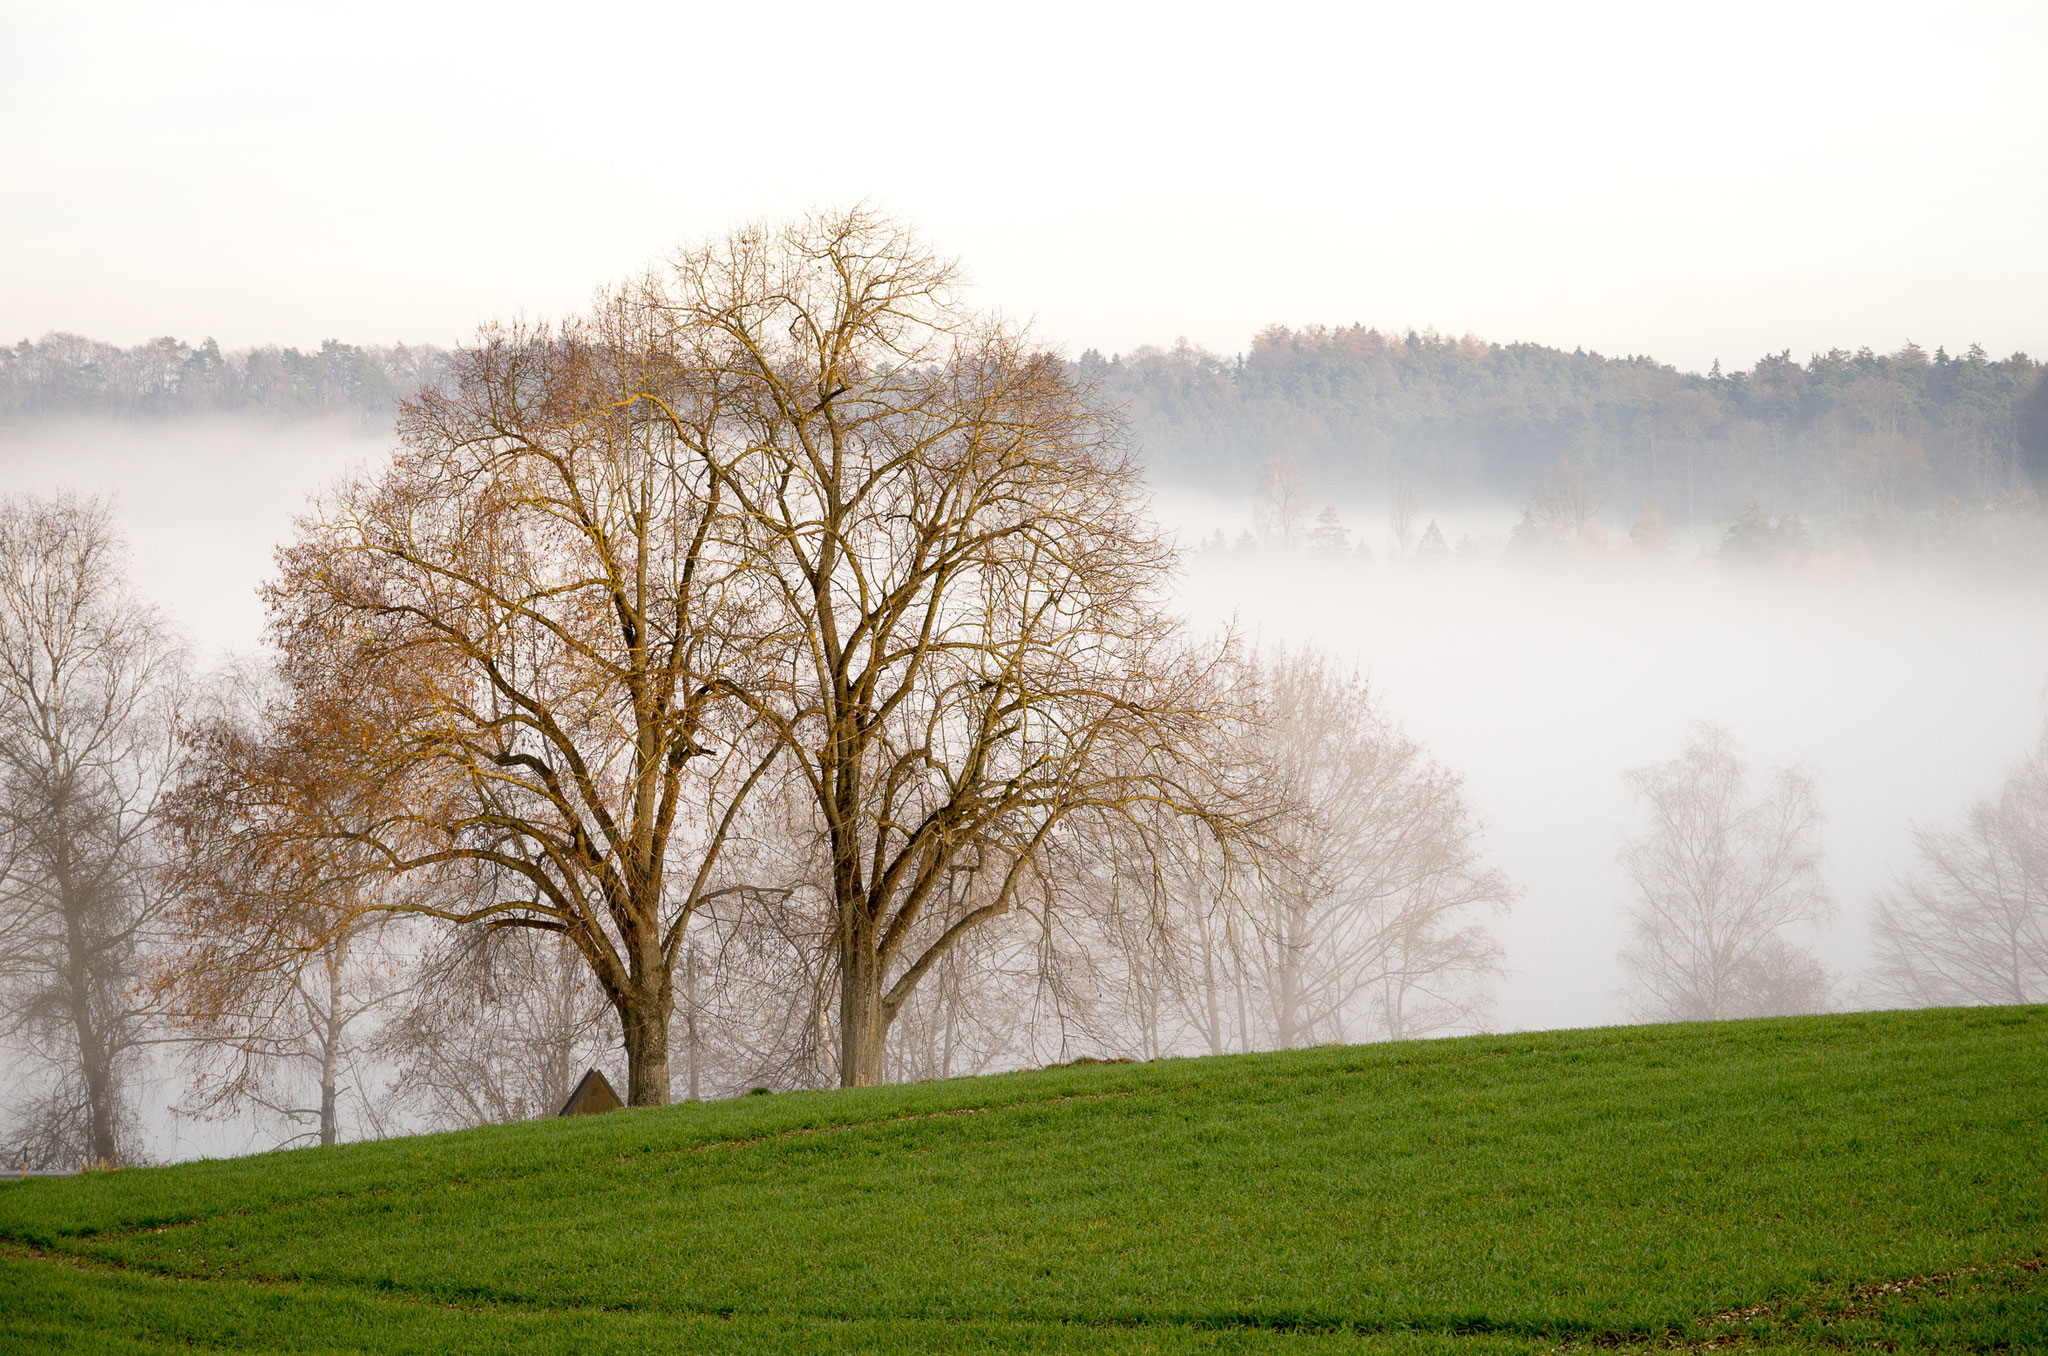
column 1970, row 925
column 1367, row 919
column 1362, row 917
column 495, row 1025
column 1720, row 873
column 90, row 678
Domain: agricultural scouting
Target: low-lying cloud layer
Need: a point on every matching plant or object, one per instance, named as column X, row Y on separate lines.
column 203, row 505
column 1907, row 692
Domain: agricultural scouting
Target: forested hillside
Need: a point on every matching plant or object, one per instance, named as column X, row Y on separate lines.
column 69, row 376
column 1364, row 412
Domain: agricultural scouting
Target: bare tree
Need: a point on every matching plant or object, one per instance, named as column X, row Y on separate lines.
column 276, row 958
column 1402, row 509
column 1171, row 913
column 1972, row 925
column 1362, row 918
column 1564, row 506
column 1719, row 874
column 496, row 1026
column 526, row 633
column 762, row 1007
column 983, row 1007
column 89, row 678
column 977, row 646
column 1282, row 508
column 1366, row 920
column 295, row 1041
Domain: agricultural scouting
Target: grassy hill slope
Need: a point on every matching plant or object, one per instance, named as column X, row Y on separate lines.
column 1807, row 1182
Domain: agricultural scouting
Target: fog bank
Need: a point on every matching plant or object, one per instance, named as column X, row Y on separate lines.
column 203, row 505
column 1907, row 693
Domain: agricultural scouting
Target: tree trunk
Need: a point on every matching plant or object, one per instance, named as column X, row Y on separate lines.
column 327, row 1116
column 330, row 1040
column 94, row 1062
column 1243, row 988
column 1210, row 999
column 1288, row 1000
column 690, row 1022
column 861, row 1025
column 644, row 1018
column 949, row 987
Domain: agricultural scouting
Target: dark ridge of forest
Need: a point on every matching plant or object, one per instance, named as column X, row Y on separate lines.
column 1364, row 413
column 67, row 376
column 1360, row 412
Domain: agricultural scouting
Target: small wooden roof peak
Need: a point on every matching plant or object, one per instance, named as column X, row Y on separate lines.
column 592, row 1095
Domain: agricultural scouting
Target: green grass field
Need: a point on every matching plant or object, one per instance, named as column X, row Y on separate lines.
column 1876, row 1180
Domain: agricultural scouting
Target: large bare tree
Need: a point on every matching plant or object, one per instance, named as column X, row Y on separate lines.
column 1971, row 926
column 525, row 632
column 89, row 679
column 977, row 650
column 1720, row 875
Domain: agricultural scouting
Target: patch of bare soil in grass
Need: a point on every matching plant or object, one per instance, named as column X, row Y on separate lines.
column 1808, row 1318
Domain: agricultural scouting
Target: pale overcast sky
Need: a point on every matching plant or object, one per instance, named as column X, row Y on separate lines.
column 1688, row 181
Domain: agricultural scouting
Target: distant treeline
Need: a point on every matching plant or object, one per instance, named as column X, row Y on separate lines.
column 69, row 376
column 1364, row 413
column 1361, row 412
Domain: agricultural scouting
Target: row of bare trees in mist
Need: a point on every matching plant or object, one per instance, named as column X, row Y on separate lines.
column 769, row 667
column 1725, row 877
column 287, row 974
column 137, row 915
column 764, row 678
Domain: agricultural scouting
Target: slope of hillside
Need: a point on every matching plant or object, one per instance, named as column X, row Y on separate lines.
column 1875, row 1178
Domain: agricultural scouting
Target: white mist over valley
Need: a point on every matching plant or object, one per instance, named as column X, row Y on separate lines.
column 1908, row 690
